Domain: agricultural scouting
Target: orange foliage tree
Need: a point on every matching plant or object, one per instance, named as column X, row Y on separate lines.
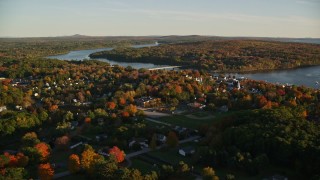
column 89, row 158
column 74, row 163
column 111, row 105
column 131, row 109
column 262, row 101
column 22, row 160
column 87, row 120
column 53, row 108
column 45, row 171
column 172, row 139
column 268, row 105
column 62, row 142
column 19, row 160
column 12, row 159
column 122, row 101
column 125, row 114
column 178, row 89
column 44, row 150
column 120, row 155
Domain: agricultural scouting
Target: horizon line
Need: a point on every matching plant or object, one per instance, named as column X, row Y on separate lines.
column 81, row 35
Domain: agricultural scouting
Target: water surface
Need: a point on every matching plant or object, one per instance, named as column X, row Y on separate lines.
column 307, row 76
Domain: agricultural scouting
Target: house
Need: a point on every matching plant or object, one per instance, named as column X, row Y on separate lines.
column 161, row 138
column 233, row 83
column 19, row 108
column 187, row 151
column 196, row 105
column 223, row 108
column 148, row 102
column 143, row 142
column 179, row 129
column 86, row 103
column 3, row 108
column 101, row 137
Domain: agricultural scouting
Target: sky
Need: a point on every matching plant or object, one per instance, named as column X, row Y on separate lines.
column 258, row 18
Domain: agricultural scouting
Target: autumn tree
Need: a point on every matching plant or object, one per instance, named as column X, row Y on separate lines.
column 111, row 105
column 122, row 101
column 261, row 101
column 131, row 109
column 44, row 151
column 178, row 89
column 183, row 168
column 13, row 173
column 107, row 169
column 53, row 108
column 89, row 159
column 30, row 139
column 18, row 160
column 209, row 174
column 74, row 163
column 87, row 120
column 153, row 142
column 120, row 155
column 33, row 154
column 125, row 114
column 45, row 171
column 22, row 160
column 172, row 139
column 4, row 160
column 68, row 116
column 62, row 142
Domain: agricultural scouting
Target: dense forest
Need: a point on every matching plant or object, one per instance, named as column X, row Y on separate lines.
column 222, row 55
column 248, row 131
column 29, row 48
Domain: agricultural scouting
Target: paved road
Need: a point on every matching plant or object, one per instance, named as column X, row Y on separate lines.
column 62, row 174
column 156, row 121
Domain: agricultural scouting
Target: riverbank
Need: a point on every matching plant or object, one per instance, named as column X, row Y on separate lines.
column 306, row 75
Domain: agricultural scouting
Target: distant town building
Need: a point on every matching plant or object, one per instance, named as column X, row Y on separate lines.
column 3, row 108
column 148, row 102
column 196, row 105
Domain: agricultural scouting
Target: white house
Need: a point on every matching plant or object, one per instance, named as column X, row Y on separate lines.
column 186, row 151
column 162, row 138
column 141, row 141
column 3, row 108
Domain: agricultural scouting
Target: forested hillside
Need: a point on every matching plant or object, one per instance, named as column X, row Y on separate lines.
column 231, row 55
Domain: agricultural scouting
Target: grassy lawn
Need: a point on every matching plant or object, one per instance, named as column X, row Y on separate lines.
column 265, row 173
column 201, row 114
column 143, row 166
column 171, row 155
column 74, row 177
column 184, row 121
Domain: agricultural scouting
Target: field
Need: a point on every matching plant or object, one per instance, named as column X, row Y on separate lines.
column 194, row 120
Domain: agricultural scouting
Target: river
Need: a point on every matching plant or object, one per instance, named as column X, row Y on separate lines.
column 84, row 54
column 307, row 76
